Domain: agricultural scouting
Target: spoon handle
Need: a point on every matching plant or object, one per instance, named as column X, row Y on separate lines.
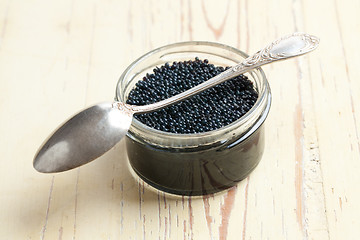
column 286, row 47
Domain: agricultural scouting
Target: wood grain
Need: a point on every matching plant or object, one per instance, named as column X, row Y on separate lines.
column 60, row 56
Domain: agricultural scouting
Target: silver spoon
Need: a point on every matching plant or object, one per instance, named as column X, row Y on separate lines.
column 95, row 130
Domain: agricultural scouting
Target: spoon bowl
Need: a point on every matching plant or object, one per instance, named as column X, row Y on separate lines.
column 83, row 138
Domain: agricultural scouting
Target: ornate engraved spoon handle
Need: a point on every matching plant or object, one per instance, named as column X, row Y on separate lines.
column 286, row 47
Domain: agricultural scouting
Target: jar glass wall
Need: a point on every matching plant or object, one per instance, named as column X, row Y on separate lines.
column 201, row 163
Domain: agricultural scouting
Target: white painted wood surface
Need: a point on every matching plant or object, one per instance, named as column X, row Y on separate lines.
column 57, row 57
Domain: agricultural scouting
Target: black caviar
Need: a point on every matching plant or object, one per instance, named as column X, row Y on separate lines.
column 209, row 110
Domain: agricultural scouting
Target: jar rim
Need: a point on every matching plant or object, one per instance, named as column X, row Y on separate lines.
column 262, row 98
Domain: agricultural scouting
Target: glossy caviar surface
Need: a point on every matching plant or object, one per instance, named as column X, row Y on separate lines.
column 209, row 110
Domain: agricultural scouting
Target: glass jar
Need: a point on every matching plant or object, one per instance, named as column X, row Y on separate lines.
column 200, row 163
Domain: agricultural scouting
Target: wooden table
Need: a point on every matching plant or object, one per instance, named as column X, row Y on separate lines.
column 56, row 57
